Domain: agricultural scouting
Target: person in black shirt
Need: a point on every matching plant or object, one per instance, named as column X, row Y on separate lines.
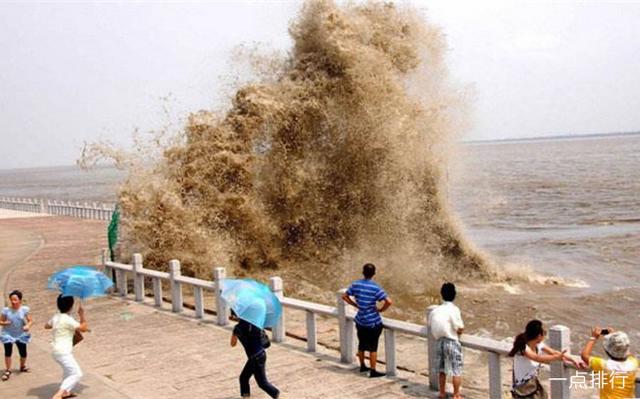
column 251, row 339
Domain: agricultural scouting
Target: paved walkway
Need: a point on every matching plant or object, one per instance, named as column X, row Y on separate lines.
column 11, row 214
column 138, row 351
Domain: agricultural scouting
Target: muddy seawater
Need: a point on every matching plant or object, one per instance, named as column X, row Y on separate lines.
column 566, row 208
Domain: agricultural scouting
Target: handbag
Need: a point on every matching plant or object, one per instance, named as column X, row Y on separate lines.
column 531, row 389
column 77, row 337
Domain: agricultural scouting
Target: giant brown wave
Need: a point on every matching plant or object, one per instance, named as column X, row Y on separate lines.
column 336, row 158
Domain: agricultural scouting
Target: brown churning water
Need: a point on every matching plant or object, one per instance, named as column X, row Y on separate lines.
column 334, row 159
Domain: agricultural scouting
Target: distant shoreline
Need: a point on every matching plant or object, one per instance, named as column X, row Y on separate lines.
column 554, row 137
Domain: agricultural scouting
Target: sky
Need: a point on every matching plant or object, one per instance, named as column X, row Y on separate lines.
column 80, row 72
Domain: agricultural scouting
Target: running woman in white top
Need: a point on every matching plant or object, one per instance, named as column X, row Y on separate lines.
column 64, row 328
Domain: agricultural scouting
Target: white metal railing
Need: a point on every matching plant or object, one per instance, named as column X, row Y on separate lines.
column 559, row 336
column 99, row 211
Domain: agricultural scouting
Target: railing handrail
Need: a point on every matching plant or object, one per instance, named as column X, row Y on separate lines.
column 94, row 210
column 400, row 326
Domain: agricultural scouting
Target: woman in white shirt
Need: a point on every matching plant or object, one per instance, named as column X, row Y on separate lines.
column 64, row 328
column 528, row 353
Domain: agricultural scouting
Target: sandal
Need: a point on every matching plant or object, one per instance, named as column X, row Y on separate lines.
column 6, row 375
column 71, row 395
column 24, row 369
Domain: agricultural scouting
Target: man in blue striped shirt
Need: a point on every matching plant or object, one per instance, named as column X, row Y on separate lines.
column 367, row 294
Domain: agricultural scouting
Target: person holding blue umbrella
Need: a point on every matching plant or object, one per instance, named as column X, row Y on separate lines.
column 82, row 282
column 64, row 329
column 255, row 307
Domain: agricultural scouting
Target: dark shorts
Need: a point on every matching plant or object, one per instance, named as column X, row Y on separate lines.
column 368, row 338
column 22, row 349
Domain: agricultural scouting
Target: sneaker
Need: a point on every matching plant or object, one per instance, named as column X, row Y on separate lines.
column 375, row 374
column 364, row 369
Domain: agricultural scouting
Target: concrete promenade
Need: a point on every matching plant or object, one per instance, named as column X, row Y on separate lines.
column 138, row 351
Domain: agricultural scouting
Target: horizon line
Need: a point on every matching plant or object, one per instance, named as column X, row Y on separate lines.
column 552, row 137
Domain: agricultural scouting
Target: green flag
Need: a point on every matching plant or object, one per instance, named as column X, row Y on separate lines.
column 112, row 232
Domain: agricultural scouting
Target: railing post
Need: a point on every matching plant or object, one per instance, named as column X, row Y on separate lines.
column 104, row 257
column 199, row 299
column 121, row 282
column 105, row 269
column 312, row 338
column 495, row 376
column 560, row 339
column 346, row 328
column 390, row 351
column 219, row 275
column 176, row 287
column 138, row 279
column 157, row 292
column 277, row 331
column 42, row 206
column 431, row 354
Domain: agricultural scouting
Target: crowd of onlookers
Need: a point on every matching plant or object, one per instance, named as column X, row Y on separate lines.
column 615, row 373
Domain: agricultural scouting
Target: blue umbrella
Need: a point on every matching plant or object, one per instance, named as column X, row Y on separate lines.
column 81, row 281
column 252, row 301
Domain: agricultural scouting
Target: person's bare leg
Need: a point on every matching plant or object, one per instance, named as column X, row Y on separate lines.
column 442, row 385
column 7, row 363
column 361, row 357
column 23, row 363
column 457, row 382
column 373, row 360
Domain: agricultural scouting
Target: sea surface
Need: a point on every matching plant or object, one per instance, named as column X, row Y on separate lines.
column 564, row 207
